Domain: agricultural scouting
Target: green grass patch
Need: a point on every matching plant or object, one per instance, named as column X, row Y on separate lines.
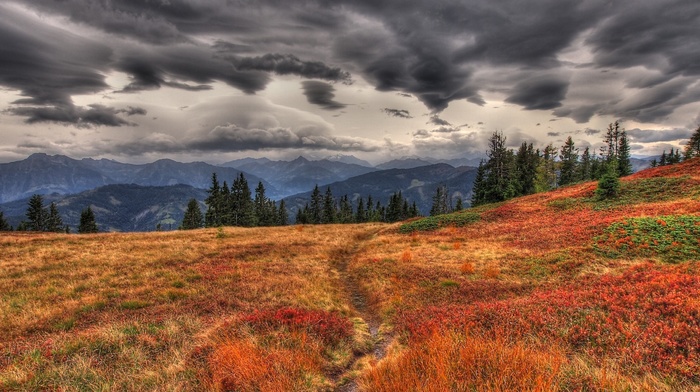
column 133, row 305
column 449, row 283
column 457, row 219
column 671, row 238
column 647, row 190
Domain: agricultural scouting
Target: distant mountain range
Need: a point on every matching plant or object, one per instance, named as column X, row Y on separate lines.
column 120, row 207
column 300, row 174
column 46, row 174
column 416, row 184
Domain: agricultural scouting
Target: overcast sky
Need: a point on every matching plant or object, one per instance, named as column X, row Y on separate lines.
column 213, row 80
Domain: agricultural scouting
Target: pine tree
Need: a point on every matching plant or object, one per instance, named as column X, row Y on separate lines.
column 663, row 161
column 458, row 204
column 360, row 215
column 526, row 161
column 568, row 163
column 546, row 170
column 654, row 163
column 87, row 222
column 345, row 214
column 612, row 140
column 54, row 223
column 213, row 216
column 282, row 215
column 36, row 214
column 316, row 206
column 440, row 201
column 584, row 167
column 479, row 187
column 193, row 216
column 414, row 211
column 4, row 225
column 692, row 148
column 500, row 176
column 329, row 210
column 243, row 207
column 609, row 183
column 624, row 166
column 263, row 210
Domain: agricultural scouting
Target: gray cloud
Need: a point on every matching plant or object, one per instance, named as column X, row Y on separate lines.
column 321, row 94
column 539, row 93
column 553, row 134
column 435, row 120
column 648, row 135
column 287, row 64
column 401, row 113
column 93, row 115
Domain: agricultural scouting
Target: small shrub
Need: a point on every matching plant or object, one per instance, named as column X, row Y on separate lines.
column 406, row 256
column 330, row 327
column 608, row 186
column 467, row 268
column 449, row 283
column 492, row 272
column 133, row 305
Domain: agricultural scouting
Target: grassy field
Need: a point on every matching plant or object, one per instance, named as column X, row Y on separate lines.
column 554, row 291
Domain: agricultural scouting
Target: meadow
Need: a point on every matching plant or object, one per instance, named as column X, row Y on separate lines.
column 553, row 291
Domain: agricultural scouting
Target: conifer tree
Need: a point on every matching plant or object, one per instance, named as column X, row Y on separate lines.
column 213, row 216
column 568, row 163
column 500, row 176
column 371, row 212
column 526, row 161
column 4, row 225
column 584, row 167
column 546, row 170
column 54, row 223
column 316, row 206
column 609, row 183
column 36, row 214
column 193, row 216
column 414, row 210
column 692, row 148
column 458, row 204
column 440, row 201
column 479, row 187
column 244, row 208
column 345, row 214
column 624, row 166
column 87, row 221
column 329, row 209
column 282, row 214
column 263, row 210
column 663, row 160
column 360, row 215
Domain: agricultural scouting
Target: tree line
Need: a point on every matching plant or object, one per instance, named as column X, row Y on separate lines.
column 507, row 173
column 48, row 219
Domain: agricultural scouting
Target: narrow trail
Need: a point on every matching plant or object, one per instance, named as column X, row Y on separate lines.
column 341, row 259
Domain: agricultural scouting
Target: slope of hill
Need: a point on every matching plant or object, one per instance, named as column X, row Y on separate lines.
column 553, row 291
column 416, row 184
column 119, row 207
column 301, row 174
column 45, row 174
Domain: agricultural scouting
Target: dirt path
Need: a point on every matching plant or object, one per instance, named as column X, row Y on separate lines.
column 340, row 260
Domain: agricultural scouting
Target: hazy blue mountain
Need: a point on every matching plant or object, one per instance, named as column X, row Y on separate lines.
column 119, row 207
column 348, row 159
column 45, row 174
column 301, row 174
column 417, row 184
column 404, row 163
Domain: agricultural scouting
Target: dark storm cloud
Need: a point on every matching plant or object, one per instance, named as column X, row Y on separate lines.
column 287, row 64
column 649, row 136
column 93, row 115
column 435, row 120
column 321, row 94
column 401, row 113
column 539, row 94
column 133, row 111
column 431, row 50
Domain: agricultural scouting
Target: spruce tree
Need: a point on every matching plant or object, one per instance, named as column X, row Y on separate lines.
column 263, row 210
column 568, row 163
column 329, row 209
column 193, row 216
column 479, row 187
column 440, row 201
column 458, row 204
column 500, row 176
column 36, row 214
column 692, row 148
column 316, row 206
column 87, row 222
column 54, row 223
column 360, row 215
column 213, row 216
column 624, row 167
column 282, row 215
column 4, row 225
column 345, row 214
column 546, row 170
column 584, row 167
column 526, row 161
column 609, row 183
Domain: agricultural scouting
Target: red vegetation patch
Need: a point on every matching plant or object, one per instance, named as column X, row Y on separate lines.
column 646, row 319
column 330, row 327
column 687, row 168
